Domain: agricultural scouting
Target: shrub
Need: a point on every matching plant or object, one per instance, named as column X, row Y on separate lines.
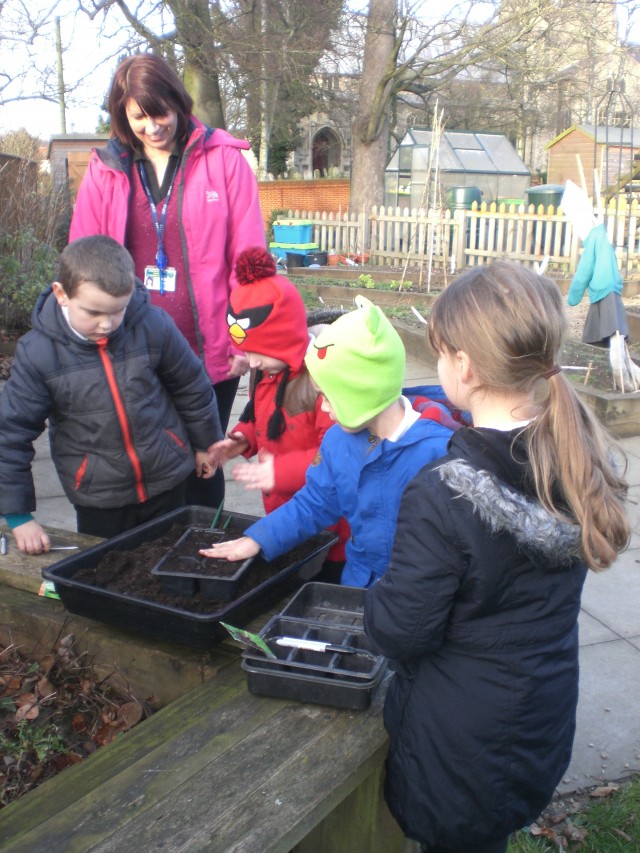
column 34, row 218
column 26, row 268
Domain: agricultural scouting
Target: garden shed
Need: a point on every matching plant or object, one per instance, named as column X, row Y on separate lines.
column 464, row 158
column 608, row 149
column 69, row 155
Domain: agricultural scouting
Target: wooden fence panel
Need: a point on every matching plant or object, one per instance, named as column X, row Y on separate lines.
column 446, row 240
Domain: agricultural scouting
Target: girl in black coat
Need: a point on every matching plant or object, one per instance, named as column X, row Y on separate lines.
column 478, row 610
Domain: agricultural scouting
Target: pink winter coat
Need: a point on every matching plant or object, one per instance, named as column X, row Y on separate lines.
column 219, row 216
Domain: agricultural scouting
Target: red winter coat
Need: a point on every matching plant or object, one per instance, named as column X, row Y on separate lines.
column 295, row 449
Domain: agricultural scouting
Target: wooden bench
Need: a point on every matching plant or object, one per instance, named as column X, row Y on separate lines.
column 217, row 769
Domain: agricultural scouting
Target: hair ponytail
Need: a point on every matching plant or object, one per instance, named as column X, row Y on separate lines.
column 573, row 463
column 510, row 321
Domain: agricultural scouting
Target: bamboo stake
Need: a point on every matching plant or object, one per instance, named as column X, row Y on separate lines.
column 588, row 373
column 597, row 191
column 583, row 180
column 621, row 360
column 419, row 315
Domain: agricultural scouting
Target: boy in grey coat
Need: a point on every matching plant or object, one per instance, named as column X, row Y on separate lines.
column 130, row 408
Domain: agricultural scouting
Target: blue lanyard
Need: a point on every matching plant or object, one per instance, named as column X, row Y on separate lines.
column 162, row 261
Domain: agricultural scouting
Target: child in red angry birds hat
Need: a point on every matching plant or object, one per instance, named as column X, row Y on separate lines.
column 283, row 423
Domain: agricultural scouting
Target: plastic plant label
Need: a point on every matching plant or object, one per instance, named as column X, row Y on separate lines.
column 48, row 590
column 248, row 639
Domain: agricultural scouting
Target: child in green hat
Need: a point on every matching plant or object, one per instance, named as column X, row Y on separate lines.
column 365, row 461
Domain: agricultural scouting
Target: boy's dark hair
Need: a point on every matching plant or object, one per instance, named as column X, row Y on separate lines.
column 152, row 83
column 98, row 259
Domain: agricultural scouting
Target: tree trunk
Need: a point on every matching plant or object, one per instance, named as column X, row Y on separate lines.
column 195, row 33
column 203, row 86
column 371, row 124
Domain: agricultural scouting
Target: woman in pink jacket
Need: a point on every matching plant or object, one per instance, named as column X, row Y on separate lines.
column 183, row 200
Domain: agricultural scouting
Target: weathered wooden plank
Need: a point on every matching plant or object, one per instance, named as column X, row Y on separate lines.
column 266, row 793
column 24, row 571
column 145, row 765
column 361, row 823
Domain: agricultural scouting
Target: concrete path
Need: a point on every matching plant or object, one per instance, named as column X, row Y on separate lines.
column 607, row 744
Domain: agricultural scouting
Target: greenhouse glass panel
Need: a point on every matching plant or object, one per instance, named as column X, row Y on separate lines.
column 447, row 159
column 419, row 137
column 394, row 163
column 476, row 161
column 463, row 140
column 502, row 153
column 406, row 156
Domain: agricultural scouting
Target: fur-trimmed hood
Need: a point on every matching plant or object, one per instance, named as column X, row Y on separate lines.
column 504, row 510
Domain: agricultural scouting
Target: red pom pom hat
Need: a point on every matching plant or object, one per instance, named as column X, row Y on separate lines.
column 266, row 314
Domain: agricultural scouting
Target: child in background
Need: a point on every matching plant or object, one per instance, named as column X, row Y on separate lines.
column 126, row 398
column 378, row 444
column 606, row 324
column 283, row 423
column 478, row 610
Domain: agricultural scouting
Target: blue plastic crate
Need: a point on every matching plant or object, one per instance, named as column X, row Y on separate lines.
column 292, row 231
column 279, row 250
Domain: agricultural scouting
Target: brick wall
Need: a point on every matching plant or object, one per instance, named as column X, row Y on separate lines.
column 331, row 196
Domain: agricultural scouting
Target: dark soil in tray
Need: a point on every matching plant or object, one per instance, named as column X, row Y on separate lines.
column 207, row 566
column 129, row 572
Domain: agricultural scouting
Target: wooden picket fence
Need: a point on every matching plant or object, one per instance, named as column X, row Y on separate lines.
column 452, row 240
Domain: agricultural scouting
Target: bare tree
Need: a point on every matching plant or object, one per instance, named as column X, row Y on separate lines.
column 275, row 46
column 404, row 53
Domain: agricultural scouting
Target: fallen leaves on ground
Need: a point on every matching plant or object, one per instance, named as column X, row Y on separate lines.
column 54, row 712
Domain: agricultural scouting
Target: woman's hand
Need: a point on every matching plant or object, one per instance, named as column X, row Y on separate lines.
column 30, row 537
column 238, row 365
column 238, row 549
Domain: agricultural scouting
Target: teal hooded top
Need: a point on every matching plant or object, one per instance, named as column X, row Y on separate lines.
column 597, row 269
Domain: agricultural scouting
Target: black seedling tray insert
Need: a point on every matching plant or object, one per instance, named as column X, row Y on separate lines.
column 327, row 613
column 357, row 662
column 331, row 604
column 183, row 571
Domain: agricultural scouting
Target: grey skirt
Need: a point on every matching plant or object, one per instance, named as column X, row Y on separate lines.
column 604, row 319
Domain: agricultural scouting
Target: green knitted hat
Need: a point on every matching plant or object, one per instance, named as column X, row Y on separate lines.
column 358, row 362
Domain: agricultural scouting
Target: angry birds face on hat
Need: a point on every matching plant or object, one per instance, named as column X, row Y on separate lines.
column 266, row 314
column 358, row 362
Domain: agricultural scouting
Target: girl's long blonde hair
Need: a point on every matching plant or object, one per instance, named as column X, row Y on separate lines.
column 511, row 323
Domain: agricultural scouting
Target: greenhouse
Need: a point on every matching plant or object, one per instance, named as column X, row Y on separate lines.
column 484, row 160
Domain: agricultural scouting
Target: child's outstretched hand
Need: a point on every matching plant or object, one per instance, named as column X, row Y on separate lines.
column 228, row 448
column 238, row 549
column 257, row 475
column 30, row 537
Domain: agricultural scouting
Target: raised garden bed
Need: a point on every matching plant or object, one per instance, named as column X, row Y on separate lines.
column 618, row 412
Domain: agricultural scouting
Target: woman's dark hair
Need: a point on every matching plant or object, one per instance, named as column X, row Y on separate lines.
column 153, row 84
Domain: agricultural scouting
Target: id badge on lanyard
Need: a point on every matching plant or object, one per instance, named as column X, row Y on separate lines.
column 160, row 277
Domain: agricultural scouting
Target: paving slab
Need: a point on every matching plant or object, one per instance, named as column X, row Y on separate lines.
column 613, row 597
column 607, row 742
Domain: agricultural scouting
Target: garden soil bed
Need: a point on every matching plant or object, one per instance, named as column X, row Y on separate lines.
column 55, row 712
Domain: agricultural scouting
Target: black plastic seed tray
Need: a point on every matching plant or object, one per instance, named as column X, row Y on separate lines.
column 328, row 603
column 343, row 676
column 183, row 571
column 176, row 624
